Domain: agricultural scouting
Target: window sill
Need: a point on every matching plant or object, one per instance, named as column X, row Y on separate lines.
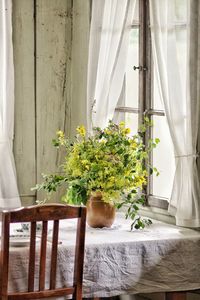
column 157, row 214
column 154, row 213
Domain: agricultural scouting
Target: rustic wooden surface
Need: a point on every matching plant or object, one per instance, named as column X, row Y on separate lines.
column 24, row 141
column 50, row 87
column 81, row 21
column 53, row 44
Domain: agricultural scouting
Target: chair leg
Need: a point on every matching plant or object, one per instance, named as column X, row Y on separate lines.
column 175, row 295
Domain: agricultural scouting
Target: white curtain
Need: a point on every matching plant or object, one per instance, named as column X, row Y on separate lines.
column 181, row 105
column 108, row 47
column 9, row 197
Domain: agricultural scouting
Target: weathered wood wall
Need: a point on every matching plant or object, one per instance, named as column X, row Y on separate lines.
column 50, row 54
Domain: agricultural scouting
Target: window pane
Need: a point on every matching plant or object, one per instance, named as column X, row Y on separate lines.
column 129, row 95
column 131, row 78
column 157, row 103
column 181, row 46
column 177, row 31
column 163, row 158
column 180, row 10
column 130, row 119
column 136, row 13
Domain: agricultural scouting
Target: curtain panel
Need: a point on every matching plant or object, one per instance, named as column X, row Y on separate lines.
column 108, row 49
column 181, row 103
column 9, row 197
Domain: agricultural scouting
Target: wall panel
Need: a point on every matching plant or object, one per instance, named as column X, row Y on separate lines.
column 50, row 55
column 80, row 42
column 53, row 79
column 24, row 141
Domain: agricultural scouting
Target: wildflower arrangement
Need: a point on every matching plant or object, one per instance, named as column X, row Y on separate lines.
column 110, row 162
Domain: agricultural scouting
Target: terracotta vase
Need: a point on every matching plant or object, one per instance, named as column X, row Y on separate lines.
column 99, row 213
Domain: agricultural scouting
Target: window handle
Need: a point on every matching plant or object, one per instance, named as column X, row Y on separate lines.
column 140, row 68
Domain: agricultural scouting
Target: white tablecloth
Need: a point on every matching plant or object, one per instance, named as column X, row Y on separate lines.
column 159, row 258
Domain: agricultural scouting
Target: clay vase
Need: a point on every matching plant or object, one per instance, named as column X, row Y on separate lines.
column 99, row 213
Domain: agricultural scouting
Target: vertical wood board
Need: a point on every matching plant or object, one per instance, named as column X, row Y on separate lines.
column 80, row 44
column 53, row 81
column 24, row 139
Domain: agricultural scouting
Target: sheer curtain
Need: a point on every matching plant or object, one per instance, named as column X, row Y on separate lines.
column 9, row 197
column 181, row 104
column 108, row 48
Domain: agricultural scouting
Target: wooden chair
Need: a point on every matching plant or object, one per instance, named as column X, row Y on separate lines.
column 43, row 213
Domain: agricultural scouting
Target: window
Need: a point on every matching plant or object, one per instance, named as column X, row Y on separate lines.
column 140, row 96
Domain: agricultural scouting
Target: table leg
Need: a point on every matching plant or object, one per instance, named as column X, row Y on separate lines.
column 175, row 296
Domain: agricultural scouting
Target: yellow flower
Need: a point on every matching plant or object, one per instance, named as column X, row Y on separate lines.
column 107, row 131
column 127, row 172
column 76, row 173
column 85, row 163
column 60, row 134
column 121, row 124
column 133, row 145
column 112, row 179
column 81, row 130
column 102, row 141
column 126, row 130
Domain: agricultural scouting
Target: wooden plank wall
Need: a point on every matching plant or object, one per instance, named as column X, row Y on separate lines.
column 50, row 40
column 81, row 10
column 24, row 139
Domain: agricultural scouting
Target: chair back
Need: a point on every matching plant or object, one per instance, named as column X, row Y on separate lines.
column 43, row 213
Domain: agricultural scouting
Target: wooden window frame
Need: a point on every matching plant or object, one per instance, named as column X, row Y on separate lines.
column 145, row 93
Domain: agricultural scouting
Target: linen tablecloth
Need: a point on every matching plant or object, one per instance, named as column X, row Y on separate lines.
column 160, row 258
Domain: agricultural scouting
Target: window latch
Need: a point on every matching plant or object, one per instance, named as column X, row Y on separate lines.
column 140, row 68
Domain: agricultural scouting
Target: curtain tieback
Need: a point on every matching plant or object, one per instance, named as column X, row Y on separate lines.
column 195, row 155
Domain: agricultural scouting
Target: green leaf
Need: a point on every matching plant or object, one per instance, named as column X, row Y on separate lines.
column 157, row 140
column 137, row 226
column 150, row 170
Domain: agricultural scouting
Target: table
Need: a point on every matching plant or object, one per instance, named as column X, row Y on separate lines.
column 159, row 258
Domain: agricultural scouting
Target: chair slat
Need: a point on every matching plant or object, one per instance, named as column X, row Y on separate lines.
column 79, row 255
column 41, row 294
column 45, row 213
column 54, row 255
column 31, row 269
column 43, row 251
column 5, row 232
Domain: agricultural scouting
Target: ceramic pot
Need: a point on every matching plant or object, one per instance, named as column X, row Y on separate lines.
column 99, row 213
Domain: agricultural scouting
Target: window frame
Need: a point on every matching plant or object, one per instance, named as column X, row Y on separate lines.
column 145, row 93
